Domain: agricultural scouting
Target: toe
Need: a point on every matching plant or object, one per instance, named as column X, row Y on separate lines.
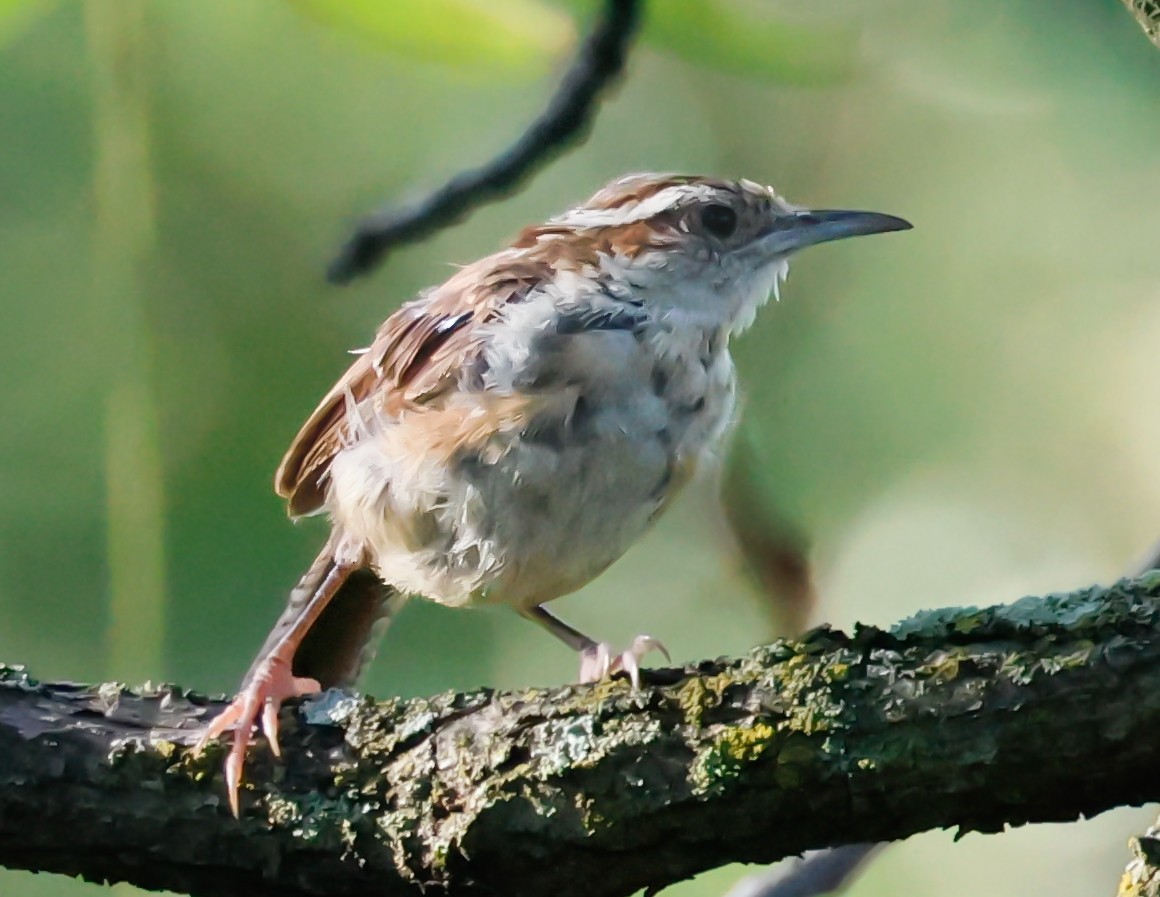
column 257, row 703
column 645, row 644
column 233, row 770
column 304, row 687
column 629, row 662
column 595, row 663
column 270, row 725
column 218, row 725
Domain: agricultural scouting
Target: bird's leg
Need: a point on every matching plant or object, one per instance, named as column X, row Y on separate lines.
column 271, row 681
column 596, row 658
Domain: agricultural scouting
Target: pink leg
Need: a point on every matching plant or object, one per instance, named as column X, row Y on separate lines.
column 268, row 685
column 596, row 658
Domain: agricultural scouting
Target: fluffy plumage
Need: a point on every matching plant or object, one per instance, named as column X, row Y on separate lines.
column 511, row 432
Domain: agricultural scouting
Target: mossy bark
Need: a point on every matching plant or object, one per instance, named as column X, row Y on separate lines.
column 1147, row 13
column 1045, row 709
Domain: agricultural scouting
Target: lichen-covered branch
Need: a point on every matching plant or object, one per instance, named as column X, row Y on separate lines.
column 1046, row 709
column 1147, row 13
column 1141, row 877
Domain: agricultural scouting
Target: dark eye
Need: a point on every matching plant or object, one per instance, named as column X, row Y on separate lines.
column 719, row 220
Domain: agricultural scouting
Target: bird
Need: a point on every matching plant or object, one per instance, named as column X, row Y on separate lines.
column 510, row 433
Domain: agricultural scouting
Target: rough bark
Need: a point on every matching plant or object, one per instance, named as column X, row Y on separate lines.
column 1147, row 13
column 1141, row 878
column 1045, row 709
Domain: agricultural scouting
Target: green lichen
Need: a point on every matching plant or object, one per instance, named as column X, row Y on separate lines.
column 835, row 672
column 806, row 685
column 724, row 760
column 593, row 821
column 967, row 623
column 692, row 698
column 699, row 694
column 1017, row 668
column 166, row 750
column 324, row 823
column 282, row 812
column 605, row 691
column 561, row 744
column 933, row 623
column 1080, row 613
column 942, row 665
column 1077, row 656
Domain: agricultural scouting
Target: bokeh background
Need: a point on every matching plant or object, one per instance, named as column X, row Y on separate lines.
column 961, row 414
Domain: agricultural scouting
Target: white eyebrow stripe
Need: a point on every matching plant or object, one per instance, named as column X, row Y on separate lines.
column 636, row 211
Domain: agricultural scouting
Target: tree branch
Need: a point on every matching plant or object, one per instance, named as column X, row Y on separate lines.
column 567, row 118
column 1147, row 13
column 1042, row 710
column 1141, row 877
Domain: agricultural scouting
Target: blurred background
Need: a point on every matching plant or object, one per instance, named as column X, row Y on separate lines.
column 961, row 414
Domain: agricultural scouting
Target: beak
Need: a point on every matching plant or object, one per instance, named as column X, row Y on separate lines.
column 797, row 230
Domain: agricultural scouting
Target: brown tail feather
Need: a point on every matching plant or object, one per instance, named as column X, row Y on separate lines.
column 342, row 641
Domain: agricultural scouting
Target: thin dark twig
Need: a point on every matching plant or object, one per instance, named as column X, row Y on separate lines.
column 567, row 118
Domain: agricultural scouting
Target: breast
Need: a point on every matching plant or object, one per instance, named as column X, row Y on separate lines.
column 572, row 494
column 535, row 507
column 576, row 490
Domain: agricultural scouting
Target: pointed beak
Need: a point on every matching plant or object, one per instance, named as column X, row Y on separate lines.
column 797, row 230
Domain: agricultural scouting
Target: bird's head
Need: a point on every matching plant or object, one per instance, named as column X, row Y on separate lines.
column 700, row 249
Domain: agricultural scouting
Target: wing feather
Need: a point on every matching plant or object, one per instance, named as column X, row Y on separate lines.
column 418, row 353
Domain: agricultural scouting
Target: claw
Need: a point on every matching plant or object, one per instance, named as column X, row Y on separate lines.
column 597, row 662
column 270, row 685
column 233, row 773
column 629, row 660
column 631, row 665
column 269, row 726
column 643, row 644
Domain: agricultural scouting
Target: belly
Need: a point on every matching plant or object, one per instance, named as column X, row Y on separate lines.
column 528, row 517
column 559, row 515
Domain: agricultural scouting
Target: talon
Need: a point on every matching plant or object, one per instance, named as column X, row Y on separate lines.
column 269, row 726
column 631, row 665
column 271, row 685
column 643, row 644
column 595, row 663
column 629, row 661
column 216, row 727
column 233, row 772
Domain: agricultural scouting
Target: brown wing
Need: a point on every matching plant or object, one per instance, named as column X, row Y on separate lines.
column 417, row 354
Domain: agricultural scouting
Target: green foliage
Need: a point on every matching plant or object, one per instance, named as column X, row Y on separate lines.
column 15, row 15
column 749, row 39
column 508, row 37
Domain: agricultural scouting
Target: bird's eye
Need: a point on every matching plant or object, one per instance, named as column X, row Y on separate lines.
column 719, row 220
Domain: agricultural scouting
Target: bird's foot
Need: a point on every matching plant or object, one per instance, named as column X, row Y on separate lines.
column 597, row 661
column 270, row 684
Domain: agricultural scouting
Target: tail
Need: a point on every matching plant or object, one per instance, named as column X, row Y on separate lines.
column 342, row 641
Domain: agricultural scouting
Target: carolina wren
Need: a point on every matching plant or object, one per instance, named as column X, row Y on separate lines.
column 511, row 432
